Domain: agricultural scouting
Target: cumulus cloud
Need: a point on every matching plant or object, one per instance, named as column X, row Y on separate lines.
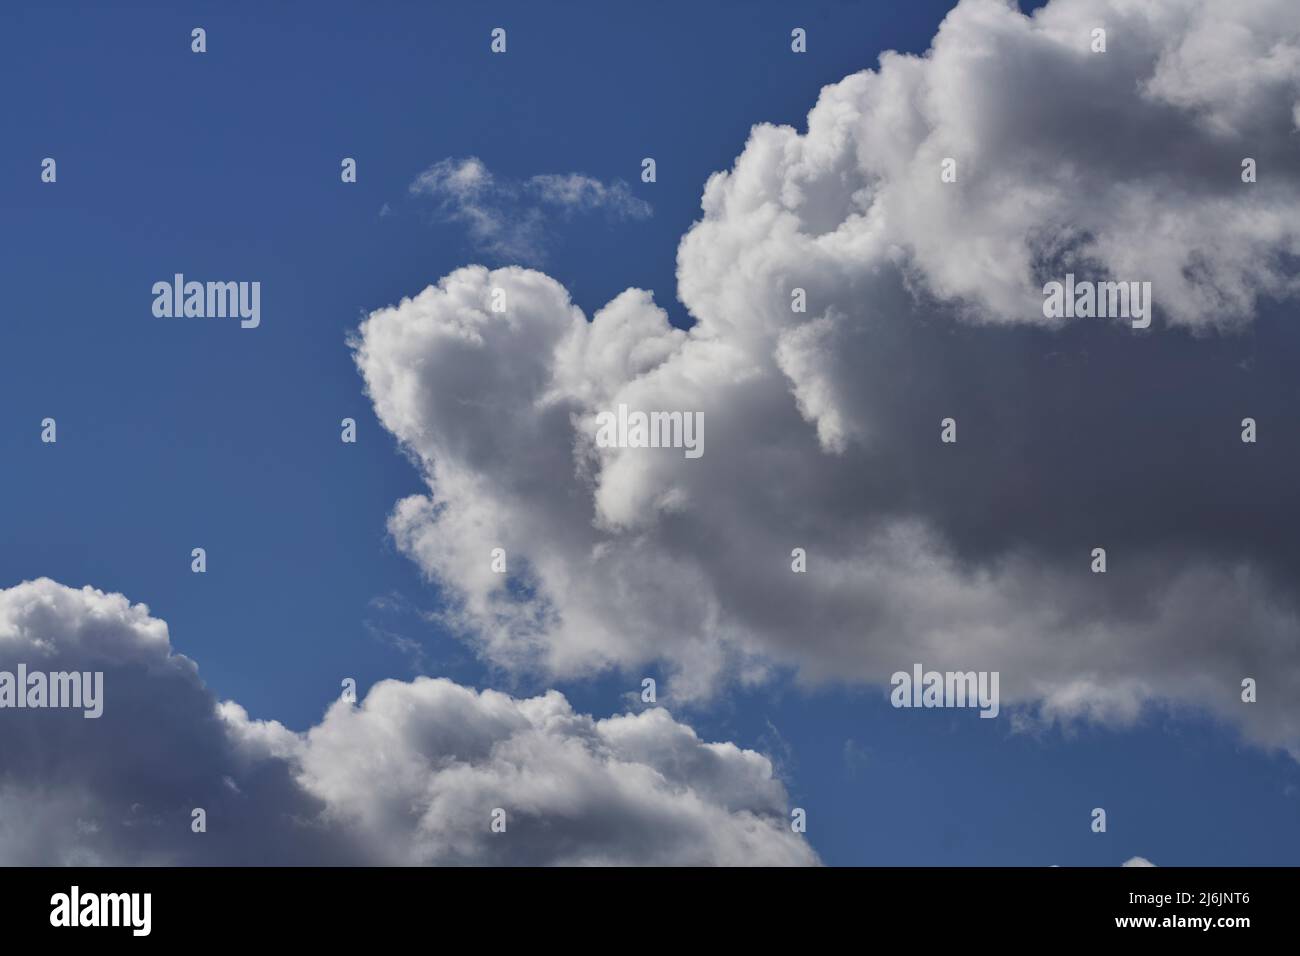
column 1138, row 861
column 510, row 218
column 410, row 775
column 924, row 301
column 417, row 768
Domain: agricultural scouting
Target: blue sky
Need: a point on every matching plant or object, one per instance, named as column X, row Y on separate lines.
column 175, row 435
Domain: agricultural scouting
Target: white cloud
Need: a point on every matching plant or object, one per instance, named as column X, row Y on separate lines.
column 823, row 426
column 418, row 768
column 574, row 191
column 1138, row 861
column 410, row 775
column 509, row 218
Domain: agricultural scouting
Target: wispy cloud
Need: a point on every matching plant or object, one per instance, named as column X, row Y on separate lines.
column 509, row 218
column 856, row 757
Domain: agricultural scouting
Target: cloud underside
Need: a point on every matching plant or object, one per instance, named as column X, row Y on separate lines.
column 924, row 301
